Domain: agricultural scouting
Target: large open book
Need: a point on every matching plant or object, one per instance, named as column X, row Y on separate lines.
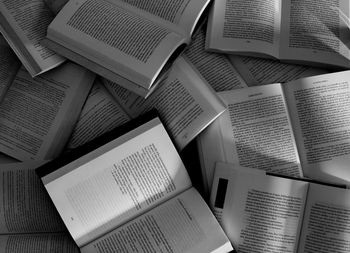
column 297, row 128
column 37, row 115
column 185, row 101
column 28, row 219
column 24, row 24
column 131, row 43
column 131, row 192
column 310, row 32
column 264, row 213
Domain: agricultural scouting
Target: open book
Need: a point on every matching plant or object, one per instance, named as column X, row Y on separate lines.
column 309, row 32
column 37, row 115
column 227, row 72
column 24, row 24
column 28, row 219
column 131, row 192
column 297, row 128
column 185, row 101
column 131, row 43
column 264, row 213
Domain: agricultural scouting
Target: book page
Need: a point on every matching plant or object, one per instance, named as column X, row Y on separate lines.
column 257, row 132
column 241, row 26
column 117, row 182
column 9, row 65
column 37, row 115
column 25, row 206
column 182, row 224
column 259, row 213
column 320, row 112
column 258, row 71
column 100, row 114
column 34, row 243
column 216, row 68
column 24, row 24
column 184, row 100
column 315, row 32
column 184, row 13
column 326, row 222
column 130, row 46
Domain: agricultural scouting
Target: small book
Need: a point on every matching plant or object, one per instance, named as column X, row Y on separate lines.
column 128, row 191
column 294, row 31
column 24, row 24
column 132, row 43
column 265, row 213
column 299, row 128
column 37, row 115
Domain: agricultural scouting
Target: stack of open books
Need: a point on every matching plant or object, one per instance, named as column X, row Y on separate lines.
column 255, row 94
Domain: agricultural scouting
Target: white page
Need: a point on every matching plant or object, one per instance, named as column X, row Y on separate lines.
column 326, row 222
column 182, row 224
column 25, row 206
column 241, row 26
column 100, row 114
column 38, row 115
column 185, row 102
column 255, row 131
column 320, row 112
column 120, row 180
column 259, row 213
column 314, row 32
